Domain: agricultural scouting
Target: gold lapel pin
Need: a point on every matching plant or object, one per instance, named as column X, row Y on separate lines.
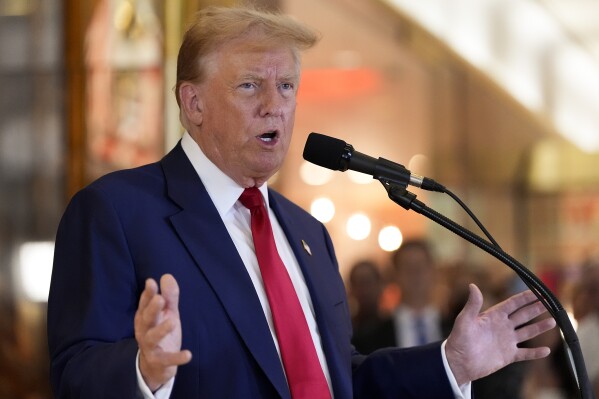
column 307, row 247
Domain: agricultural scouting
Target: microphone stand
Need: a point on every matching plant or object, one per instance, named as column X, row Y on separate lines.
column 401, row 196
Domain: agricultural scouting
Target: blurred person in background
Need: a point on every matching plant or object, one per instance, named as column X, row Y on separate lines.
column 372, row 329
column 418, row 320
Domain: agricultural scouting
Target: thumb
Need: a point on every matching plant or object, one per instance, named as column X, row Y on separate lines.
column 474, row 304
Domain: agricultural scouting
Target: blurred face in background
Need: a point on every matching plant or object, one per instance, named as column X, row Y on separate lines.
column 365, row 287
column 415, row 275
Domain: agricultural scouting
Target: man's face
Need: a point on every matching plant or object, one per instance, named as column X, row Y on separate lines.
column 247, row 105
column 416, row 273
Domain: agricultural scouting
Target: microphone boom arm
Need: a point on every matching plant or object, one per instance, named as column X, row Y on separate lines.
column 400, row 195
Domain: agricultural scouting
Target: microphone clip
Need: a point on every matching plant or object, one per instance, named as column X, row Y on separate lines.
column 391, row 172
column 399, row 194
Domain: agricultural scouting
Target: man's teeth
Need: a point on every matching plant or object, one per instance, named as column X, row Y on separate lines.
column 267, row 137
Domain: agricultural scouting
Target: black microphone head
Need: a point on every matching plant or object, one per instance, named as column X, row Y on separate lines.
column 326, row 151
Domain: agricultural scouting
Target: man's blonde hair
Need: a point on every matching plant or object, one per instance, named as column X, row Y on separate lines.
column 215, row 26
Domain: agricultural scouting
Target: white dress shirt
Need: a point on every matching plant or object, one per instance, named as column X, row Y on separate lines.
column 224, row 193
column 404, row 320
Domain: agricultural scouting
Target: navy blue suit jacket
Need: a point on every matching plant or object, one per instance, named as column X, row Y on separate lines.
column 156, row 219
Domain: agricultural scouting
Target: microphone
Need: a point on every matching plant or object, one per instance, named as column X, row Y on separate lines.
column 335, row 154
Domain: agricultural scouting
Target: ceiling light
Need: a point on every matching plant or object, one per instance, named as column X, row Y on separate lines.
column 358, row 226
column 323, row 209
column 390, row 238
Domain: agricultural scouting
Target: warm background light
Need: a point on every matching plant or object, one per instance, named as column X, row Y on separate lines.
column 358, row 226
column 359, row 178
column 335, row 84
column 315, row 175
column 390, row 238
column 419, row 164
column 323, row 209
column 35, row 269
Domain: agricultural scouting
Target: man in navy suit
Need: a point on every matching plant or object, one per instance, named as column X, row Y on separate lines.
column 205, row 329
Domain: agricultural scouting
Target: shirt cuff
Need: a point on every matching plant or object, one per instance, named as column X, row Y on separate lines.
column 164, row 392
column 459, row 391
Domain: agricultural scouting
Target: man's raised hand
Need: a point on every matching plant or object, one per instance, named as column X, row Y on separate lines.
column 158, row 332
column 482, row 343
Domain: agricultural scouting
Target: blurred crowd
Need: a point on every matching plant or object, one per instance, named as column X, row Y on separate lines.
column 412, row 299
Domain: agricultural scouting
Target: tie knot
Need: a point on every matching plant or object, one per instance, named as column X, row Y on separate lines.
column 251, row 198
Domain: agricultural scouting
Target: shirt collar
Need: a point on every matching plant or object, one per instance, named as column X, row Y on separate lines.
column 223, row 191
column 428, row 312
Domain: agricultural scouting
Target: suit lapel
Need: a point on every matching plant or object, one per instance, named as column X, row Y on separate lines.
column 319, row 283
column 201, row 229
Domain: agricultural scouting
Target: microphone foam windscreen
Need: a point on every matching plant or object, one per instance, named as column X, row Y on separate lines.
column 324, row 151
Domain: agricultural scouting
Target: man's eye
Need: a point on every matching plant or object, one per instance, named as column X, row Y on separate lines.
column 247, row 85
column 287, row 86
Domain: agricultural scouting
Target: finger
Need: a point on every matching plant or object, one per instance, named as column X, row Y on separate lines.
column 157, row 333
column 170, row 291
column 141, row 319
column 150, row 289
column 531, row 353
column 169, row 359
column 150, row 315
column 474, row 303
column 527, row 313
column 532, row 330
column 516, row 302
column 147, row 321
column 181, row 357
column 158, row 363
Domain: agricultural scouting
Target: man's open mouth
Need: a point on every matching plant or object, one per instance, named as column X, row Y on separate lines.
column 268, row 136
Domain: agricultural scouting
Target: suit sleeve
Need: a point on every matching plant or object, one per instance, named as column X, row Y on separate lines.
column 402, row 373
column 92, row 303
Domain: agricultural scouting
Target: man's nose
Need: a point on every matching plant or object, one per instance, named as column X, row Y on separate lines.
column 272, row 102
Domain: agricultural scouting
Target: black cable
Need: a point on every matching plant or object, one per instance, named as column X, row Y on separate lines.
column 469, row 212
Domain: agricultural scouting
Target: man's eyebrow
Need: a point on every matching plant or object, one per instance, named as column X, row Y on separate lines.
column 257, row 77
column 292, row 76
column 289, row 77
column 250, row 76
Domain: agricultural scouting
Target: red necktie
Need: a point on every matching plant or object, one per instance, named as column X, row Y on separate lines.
column 304, row 373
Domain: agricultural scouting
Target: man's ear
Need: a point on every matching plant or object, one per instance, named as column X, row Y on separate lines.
column 191, row 102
